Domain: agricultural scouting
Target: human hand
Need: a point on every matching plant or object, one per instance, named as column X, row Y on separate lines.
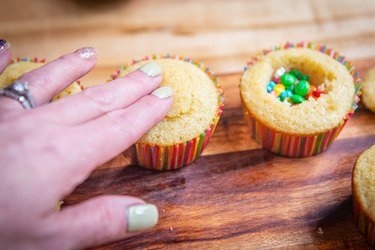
column 49, row 150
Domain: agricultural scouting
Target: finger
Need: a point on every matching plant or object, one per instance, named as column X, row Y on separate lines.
column 4, row 54
column 102, row 139
column 120, row 129
column 103, row 219
column 96, row 101
column 53, row 77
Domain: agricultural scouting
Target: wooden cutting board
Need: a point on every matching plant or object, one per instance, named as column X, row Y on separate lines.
column 239, row 195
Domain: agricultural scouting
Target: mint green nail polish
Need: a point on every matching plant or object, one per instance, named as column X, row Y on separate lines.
column 163, row 92
column 151, row 69
column 141, row 217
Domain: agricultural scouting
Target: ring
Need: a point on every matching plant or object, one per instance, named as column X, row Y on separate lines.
column 19, row 90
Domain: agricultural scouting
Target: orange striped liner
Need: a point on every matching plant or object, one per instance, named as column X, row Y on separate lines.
column 294, row 145
column 171, row 157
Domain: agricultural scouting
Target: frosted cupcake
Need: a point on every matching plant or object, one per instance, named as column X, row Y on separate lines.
column 297, row 98
column 21, row 66
column 368, row 90
column 183, row 134
column 363, row 185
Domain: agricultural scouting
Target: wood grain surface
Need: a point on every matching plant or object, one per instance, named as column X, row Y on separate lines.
column 237, row 195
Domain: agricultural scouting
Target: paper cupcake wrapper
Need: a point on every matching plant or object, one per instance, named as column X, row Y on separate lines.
column 170, row 157
column 38, row 60
column 28, row 59
column 295, row 145
column 364, row 223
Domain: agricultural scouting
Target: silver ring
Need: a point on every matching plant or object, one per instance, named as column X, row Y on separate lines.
column 19, row 90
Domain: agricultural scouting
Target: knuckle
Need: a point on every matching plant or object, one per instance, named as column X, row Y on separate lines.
column 112, row 228
column 102, row 100
column 138, row 82
column 134, row 79
column 124, row 124
column 150, row 101
column 70, row 62
column 38, row 80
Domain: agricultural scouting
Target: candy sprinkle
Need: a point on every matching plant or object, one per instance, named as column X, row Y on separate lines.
column 293, row 87
column 279, row 88
column 312, row 89
column 271, row 86
column 317, row 93
column 285, row 94
column 281, row 71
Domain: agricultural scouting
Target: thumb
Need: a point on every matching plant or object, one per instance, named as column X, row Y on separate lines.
column 104, row 219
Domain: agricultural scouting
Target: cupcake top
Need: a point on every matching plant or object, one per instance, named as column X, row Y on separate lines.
column 14, row 70
column 312, row 116
column 195, row 102
column 364, row 181
column 368, row 90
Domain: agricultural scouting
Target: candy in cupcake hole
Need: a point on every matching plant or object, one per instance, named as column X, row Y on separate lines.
column 293, row 87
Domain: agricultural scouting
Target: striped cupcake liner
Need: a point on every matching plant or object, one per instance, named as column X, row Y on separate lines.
column 364, row 223
column 28, row 59
column 295, row 145
column 170, row 157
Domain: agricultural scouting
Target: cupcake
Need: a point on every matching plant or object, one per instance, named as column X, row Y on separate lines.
column 297, row 97
column 183, row 134
column 368, row 90
column 21, row 66
column 363, row 184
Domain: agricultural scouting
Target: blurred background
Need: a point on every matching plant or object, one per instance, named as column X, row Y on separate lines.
column 221, row 33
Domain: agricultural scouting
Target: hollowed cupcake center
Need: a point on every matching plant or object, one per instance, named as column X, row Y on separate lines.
column 292, row 87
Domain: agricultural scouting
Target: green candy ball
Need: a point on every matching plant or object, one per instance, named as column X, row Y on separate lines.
column 296, row 73
column 290, row 87
column 302, row 88
column 297, row 99
column 288, row 79
column 305, row 78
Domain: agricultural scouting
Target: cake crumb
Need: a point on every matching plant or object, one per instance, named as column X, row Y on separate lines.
column 320, row 231
column 58, row 206
column 170, row 229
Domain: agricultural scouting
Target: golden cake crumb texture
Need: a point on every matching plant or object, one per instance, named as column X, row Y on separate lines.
column 195, row 102
column 15, row 70
column 368, row 90
column 364, row 181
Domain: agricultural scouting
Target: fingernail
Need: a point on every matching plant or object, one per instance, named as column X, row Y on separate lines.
column 142, row 217
column 87, row 53
column 4, row 44
column 163, row 92
column 151, row 69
